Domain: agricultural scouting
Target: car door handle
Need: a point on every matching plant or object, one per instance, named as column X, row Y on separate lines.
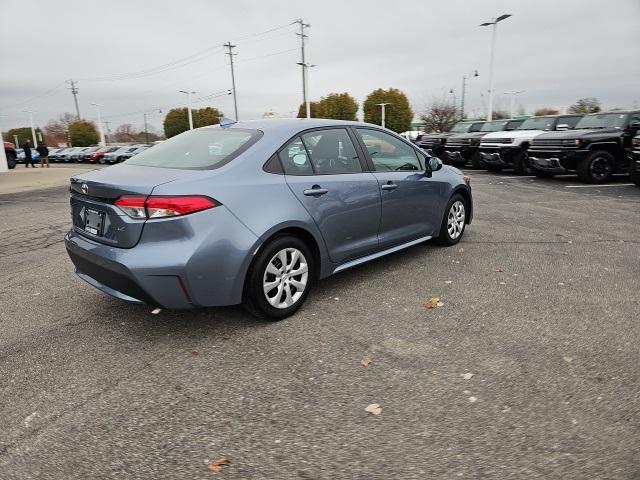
column 315, row 191
column 389, row 186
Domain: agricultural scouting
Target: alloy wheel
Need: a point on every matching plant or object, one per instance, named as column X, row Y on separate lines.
column 285, row 278
column 455, row 220
column 600, row 168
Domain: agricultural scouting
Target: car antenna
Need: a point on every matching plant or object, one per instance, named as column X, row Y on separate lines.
column 227, row 122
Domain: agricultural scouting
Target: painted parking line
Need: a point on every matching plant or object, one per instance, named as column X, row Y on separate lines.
column 598, row 186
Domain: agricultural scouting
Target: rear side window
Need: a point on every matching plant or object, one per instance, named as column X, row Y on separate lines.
column 201, row 149
column 294, row 158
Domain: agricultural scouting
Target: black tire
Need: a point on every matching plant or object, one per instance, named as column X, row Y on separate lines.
column 521, row 165
column 596, row 168
column 254, row 299
column 541, row 174
column 11, row 160
column 445, row 238
column 635, row 178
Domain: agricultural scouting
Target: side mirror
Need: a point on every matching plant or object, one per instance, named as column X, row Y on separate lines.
column 562, row 126
column 433, row 164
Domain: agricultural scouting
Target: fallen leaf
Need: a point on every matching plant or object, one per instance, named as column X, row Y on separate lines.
column 374, row 409
column 503, row 283
column 435, row 371
column 156, row 311
column 432, row 303
column 448, row 282
column 473, row 399
column 366, row 360
column 323, row 344
column 439, row 304
column 568, row 359
column 498, row 270
column 467, row 376
column 195, row 353
column 216, row 465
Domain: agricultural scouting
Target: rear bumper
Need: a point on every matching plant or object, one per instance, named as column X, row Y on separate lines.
column 200, row 260
column 556, row 161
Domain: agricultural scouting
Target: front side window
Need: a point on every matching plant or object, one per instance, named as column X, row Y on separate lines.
column 332, row 152
column 200, row 149
column 387, row 152
column 570, row 121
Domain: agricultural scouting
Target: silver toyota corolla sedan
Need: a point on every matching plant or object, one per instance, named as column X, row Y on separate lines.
column 255, row 212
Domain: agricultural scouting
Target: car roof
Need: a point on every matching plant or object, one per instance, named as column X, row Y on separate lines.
column 291, row 126
column 620, row 112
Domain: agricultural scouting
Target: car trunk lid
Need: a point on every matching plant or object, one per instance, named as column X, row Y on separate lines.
column 93, row 196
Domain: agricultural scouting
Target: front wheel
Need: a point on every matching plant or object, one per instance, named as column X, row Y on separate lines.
column 596, row 168
column 11, row 160
column 522, row 164
column 453, row 221
column 279, row 279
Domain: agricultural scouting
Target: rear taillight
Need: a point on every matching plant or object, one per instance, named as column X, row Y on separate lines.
column 139, row 207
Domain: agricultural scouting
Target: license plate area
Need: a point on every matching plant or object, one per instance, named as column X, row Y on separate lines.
column 93, row 221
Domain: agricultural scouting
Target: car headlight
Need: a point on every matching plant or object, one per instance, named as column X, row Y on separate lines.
column 572, row 142
column 636, row 142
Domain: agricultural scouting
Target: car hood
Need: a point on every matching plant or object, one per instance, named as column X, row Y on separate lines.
column 583, row 133
column 514, row 134
column 465, row 136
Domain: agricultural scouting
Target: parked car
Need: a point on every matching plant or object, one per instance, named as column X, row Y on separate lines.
column 10, row 152
column 84, row 154
column 98, row 154
column 214, row 217
column 132, row 153
column 634, row 161
column 68, row 153
column 462, row 148
column 20, row 157
column 116, row 156
column 433, row 143
column 56, row 156
column 596, row 149
column 500, row 150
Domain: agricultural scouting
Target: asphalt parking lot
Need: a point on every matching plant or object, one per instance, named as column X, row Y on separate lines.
column 540, row 303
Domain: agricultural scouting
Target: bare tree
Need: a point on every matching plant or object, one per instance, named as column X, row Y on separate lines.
column 500, row 115
column 440, row 116
column 125, row 133
column 546, row 111
column 57, row 131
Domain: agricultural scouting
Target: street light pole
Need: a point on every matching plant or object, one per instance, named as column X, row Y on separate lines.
column 513, row 101
column 494, row 25
column 33, row 130
column 383, row 110
column 102, row 140
column 464, row 92
column 188, row 94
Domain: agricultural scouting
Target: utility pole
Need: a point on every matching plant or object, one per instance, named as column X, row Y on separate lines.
column 102, row 140
column 513, row 101
column 33, row 130
column 494, row 25
column 233, row 77
column 74, row 91
column 188, row 94
column 382, row 107
column 304, row 65
column 146, row 124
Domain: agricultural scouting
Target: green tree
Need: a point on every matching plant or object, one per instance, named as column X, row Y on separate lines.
column 83, row 133
column 177, row 119
column 316, row 111
column 338, row 106
column 398, row 114
column 23, row 134
column 585, row 105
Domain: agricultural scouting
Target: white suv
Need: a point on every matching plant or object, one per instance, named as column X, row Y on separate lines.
column 500, row 150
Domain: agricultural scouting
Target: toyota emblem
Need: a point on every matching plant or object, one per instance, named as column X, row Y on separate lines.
column 85, row 188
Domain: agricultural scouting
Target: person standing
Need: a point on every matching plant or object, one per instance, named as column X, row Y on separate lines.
column 44, row 154
column 28, row 159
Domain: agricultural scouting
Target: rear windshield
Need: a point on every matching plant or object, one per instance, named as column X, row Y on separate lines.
column 199, row 149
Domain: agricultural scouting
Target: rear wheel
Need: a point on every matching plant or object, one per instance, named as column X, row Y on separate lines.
column 11, row 159
column 279, row 279
column 453, row 221
column 596, row 168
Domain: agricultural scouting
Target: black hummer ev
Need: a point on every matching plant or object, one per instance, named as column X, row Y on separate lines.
column 596, row 149
column 434, row 142
column 634, row 160
column 461, row 148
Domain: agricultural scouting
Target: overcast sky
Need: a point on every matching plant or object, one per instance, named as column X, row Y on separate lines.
column 554, row 50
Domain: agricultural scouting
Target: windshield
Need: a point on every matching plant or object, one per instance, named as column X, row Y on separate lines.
column 606, row 120
column 198, row 149
column 497, row 126
column 537, row 123
column 461, row 127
